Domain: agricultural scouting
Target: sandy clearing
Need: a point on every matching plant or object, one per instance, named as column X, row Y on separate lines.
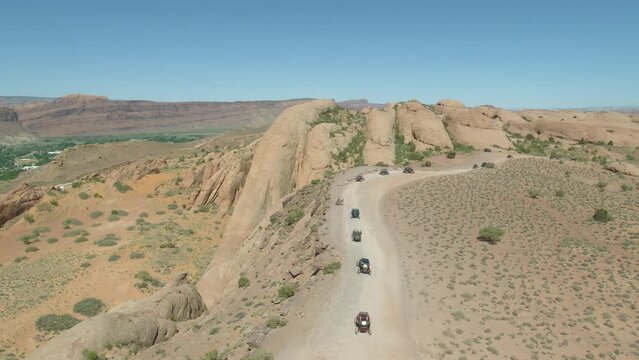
column 326, row 329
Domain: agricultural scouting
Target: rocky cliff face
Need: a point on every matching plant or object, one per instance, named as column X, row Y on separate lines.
column 18, row 200
column 86, row 114
column 379, row 135
column 270, row 177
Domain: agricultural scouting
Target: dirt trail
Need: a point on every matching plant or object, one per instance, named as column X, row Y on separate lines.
column 326, row 331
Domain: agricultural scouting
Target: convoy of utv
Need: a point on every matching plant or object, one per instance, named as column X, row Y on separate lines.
column 363, row 319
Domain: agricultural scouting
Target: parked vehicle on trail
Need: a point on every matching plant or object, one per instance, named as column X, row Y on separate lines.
column 384, row 172
column 409, row 170
column 355, row 213
column 359, row 178
column 357, row 235
column 339, row 201
column 363, row 323
column 364, row 266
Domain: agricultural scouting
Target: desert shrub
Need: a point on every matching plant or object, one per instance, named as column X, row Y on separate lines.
column 113, row 217
column 68, row 222
column 626, row 187
column 89, row 307
column 294, row 216
column 52, row 240
column 29, row 218
column 119, row 212
column 316, row 181
column 261, row 355
column 275, row 322
column 97, row 196
column 107, row 240
column 83, row 195
column 488, row 165
column 31, row 249
column 76, row 184
column 28, row 239
column 20, row 259
column 114, row 257
column 74, row 233
column 381, row 163
column 211, row 355
column 121, row 187
column 490, row 234
column 136, row 255
column 147, row 278
column 243, row 281
column 143, row 214
column 427, row 163
column 54, row 202
column 55, row 323
column 85, row 264
column 286, row 291
column 172, row 206
column 601, row 215
column 80, row 239
column 451, row 154
column 96, row 214
column 560, row 193
column 332, row 267
column 463, row 148
column 601, row 185
column 533, row 193
column 405, row 152
column 41, row 230
column 475, row 166
column 90, row 355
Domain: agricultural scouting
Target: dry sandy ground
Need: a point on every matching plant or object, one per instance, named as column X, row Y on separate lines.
column 324, row 326
column 59, row 274
column 558, row 285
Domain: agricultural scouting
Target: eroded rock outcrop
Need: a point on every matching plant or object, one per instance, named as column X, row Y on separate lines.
column 421, row 126
column 144, row 323
column 18, row 200
column 472, row 127
column 315, row 159
column 269, row 178
column 220, row 180
column 380, row 134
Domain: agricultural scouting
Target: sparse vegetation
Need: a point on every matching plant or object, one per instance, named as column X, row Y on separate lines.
column 275, row 322
column 95, row 214
column 83, row 195
column 107, row 240
column 286, row 291
column 147, row 279
column 332, row 267
column 243, row 282
column 56, row 323
column 121, row 187
column 29, row 218
column 491, row 234
column 294, row 216
column 601, row 215
column 89, row 307
column 451, row 154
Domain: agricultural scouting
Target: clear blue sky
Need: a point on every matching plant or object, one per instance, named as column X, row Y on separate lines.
column 510, row 53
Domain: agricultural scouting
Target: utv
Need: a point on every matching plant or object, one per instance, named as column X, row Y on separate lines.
column 359, row 178
column 364, row 266
column 355, row 213
column 409, row 170
column 363, row 323
column 383, row 172
column 357, row 235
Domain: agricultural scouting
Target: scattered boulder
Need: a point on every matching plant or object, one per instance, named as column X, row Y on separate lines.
column 450, row 103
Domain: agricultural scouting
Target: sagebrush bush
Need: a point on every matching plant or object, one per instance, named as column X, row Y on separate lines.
column 243, row 282
column 451, row 154
column 121, row 187
column 601, row 215
column 332, row 267
column 491, row 234
column 89, row 307
column 286, row 291
column 56, row 323
column 294, row 216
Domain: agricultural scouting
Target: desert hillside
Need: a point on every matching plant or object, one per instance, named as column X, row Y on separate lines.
column 252, row 219
column 87, row 114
